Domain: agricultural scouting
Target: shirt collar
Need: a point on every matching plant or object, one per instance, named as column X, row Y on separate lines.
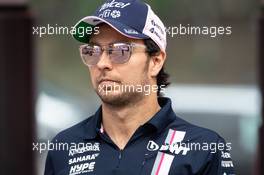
column 164, row 116
column 92, row 128
column 159, row 121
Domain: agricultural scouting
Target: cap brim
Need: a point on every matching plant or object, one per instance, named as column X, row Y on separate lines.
column 92, row 21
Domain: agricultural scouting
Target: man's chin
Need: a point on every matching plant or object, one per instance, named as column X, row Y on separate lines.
column 112, row 98
column 119, row 99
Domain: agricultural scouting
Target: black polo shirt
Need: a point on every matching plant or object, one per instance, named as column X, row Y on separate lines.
column 165, row 145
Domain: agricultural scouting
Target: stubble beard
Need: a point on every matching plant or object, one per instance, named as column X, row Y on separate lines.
column 123, row 97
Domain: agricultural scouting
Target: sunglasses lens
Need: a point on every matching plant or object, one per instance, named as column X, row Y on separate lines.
column 90, row 54
column 119, row 53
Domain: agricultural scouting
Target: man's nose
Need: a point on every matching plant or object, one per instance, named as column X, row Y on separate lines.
column 104, row 61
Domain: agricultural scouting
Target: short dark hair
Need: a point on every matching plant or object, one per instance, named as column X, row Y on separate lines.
column 162, row 77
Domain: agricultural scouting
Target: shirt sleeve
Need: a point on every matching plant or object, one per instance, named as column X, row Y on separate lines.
column 220, row 161
column 49, row 170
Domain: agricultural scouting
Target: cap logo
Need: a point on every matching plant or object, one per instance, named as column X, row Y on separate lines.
column 152, row 30
column 109, row 13
column 114, row 4
column 157, row 26
column 131, row 31
column 116, row 14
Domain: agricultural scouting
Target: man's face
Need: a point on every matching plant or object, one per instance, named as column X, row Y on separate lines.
column 111, row 80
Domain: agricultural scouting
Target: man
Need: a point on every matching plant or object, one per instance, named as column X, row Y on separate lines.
column 135, row 131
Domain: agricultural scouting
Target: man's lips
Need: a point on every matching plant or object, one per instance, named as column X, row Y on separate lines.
column 108, row 81
column 107, row 84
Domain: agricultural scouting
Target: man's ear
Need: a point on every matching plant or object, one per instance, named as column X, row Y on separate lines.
column 156, row 63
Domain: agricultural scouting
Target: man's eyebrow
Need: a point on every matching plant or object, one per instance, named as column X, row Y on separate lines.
column 94, row 43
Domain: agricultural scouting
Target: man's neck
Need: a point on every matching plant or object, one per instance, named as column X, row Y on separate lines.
column 121, row 123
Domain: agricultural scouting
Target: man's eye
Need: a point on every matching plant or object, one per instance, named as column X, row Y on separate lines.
column 121, row 48
column 124, row 48
column 89, row 51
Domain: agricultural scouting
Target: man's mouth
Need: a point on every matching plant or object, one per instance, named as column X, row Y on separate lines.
column 108, row 81
column 108, row 84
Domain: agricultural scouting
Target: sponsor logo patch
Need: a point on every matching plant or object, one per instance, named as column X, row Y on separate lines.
column 87, row 147
column 131, row 31
column 114, row 4
column 173, row 145
column 82, row 168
